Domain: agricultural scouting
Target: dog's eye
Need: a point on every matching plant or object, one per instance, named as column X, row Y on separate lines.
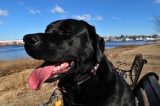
column 65, row 32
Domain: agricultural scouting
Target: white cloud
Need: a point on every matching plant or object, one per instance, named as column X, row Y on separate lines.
column 157, row 1
column 1, row 22
column 116, row 18
column 87, row 17
column 57, row 9
column 33, row 11
column 83, row 17
column 98, row 18
column 3, row 12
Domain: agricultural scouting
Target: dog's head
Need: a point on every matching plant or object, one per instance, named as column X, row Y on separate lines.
column 67, row 46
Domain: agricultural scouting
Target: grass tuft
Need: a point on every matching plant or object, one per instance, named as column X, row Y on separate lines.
column 8, row 67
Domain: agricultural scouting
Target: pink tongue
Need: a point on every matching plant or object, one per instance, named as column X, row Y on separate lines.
column 40, row 75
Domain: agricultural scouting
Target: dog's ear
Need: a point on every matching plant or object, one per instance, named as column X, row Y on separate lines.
column 97, row 42
column 99, row 46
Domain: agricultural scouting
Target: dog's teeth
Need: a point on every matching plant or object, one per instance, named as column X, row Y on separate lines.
column 62, row 64
column 58, row 67
column 54, row 69
column 56, row 76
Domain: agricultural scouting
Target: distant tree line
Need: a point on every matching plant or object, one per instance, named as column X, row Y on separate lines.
column 135, row 36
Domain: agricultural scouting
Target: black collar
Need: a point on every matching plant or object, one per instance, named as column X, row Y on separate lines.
column 84, row 78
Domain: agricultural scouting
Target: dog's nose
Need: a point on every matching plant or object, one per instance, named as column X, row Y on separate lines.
column 30, row 39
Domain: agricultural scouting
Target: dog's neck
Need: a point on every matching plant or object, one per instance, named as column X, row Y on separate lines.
column 76, row 93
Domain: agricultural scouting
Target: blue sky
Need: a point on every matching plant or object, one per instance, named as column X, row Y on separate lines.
column 110, row 17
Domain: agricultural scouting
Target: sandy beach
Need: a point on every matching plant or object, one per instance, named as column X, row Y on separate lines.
column 15, row 91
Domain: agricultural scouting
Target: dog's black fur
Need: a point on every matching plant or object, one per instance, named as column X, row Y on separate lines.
column 67, row 40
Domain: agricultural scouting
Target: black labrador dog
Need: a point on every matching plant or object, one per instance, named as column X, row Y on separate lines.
column 73, row 53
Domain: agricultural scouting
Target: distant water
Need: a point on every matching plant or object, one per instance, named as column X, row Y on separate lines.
column 15, row 52
column 12, row 52
column 110, row 45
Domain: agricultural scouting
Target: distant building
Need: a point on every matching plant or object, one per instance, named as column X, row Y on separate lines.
column 14, row 42
column 128, row 39
column 106, row 38
column 139, row 38
column 149, row 38
column 18, row 42
column 3, row 43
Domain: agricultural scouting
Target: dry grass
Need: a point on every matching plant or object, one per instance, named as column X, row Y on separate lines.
column 151, row 52
column 113, row 53
column 8, row 67
column 14, row 79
